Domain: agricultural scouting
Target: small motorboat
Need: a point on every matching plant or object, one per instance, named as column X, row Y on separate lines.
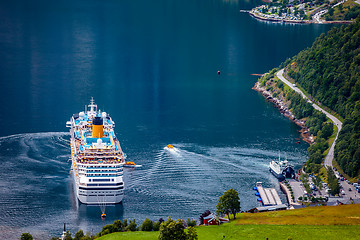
column 131, row 165
column 103, row 215
column 170, row 146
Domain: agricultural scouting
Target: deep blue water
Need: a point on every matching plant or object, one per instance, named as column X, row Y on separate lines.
column 152, row 65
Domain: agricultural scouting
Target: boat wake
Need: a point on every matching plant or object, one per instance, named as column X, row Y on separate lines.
column 191, row 177
column 33, row 178
column 36, row 190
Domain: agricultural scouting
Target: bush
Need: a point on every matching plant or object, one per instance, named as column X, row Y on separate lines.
column 79, row 235
column 192, row 235
column 132, row 226
column 118, row 226
column 147, row 225
column 156, row 226
column 191, row 223
column 26, row 236
column 172, row 230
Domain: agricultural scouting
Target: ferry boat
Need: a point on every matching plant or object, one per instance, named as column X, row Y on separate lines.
column 281, row 169
column 97, row 158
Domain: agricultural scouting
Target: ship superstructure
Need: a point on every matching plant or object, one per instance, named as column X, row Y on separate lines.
column 97, row 158
column 281, row 169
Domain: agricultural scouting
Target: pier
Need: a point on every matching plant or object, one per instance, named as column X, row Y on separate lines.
column 269, row 196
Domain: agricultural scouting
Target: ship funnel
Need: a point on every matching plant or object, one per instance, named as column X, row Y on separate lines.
column 97, row 127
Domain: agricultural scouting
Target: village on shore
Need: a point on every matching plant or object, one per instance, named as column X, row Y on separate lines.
column 302, row 11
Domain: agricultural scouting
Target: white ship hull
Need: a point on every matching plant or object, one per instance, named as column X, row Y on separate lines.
column 281, row 169
column 279, row 176
column 93, row 196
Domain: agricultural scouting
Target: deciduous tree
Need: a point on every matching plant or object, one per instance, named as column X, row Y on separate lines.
column 229, row 203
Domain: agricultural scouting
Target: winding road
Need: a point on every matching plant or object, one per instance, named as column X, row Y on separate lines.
column 330, row 156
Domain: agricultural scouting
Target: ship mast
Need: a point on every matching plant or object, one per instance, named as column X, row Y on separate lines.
column 93, row 108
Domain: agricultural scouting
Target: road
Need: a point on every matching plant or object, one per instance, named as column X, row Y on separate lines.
column 330, row 156
column 317, row 16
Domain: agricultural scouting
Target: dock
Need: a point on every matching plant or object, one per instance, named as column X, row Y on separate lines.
column 269, row 196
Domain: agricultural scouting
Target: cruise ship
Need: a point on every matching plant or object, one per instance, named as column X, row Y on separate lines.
column 281, row 169
column 97, row 158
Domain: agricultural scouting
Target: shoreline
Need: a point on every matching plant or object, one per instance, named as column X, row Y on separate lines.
column 304, row 132
column 297, row 21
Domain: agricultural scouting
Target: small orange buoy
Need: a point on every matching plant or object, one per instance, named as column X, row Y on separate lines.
column 218, row 72
column 103, row 215
column 170, row 146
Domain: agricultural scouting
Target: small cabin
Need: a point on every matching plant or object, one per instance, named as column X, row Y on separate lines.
column 214, row 220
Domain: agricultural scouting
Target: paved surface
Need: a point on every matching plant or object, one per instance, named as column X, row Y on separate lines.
column 317, row 16
column 348, row 190
column 330, row 156
column 297, row 187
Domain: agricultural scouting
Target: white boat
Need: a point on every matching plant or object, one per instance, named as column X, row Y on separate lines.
column 97, row 158
column 281, row 169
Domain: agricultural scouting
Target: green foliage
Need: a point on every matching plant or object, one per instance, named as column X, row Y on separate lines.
column 147, row 225
column 156, row 226
column 106, row 230
column 300, row 107
column 132, row 226
column 26, row 236
column 68, row 236
column 329, row 71
column 327, row 130
column 118, row 226
column 317, row 181
column 229, row 203
column 79, row 235
column 333, row 182
column 192, row 234
column 191, row 223
column 172, row 230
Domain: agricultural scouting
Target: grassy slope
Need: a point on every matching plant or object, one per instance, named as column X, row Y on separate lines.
column 341, row 222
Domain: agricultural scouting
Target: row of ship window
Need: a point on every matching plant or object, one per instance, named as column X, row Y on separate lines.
column 105, row 184
column 103, row 170
column 101, row 189
column 103, row 175
column 106, row 175
column 100, row 195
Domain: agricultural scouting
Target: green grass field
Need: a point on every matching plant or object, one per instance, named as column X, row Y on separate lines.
column 341, row 222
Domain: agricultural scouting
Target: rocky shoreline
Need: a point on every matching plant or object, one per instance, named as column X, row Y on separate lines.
column 283, row 108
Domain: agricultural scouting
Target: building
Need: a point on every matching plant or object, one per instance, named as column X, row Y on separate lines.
column 212, row 219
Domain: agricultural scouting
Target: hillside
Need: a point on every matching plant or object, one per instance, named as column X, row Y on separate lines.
column 329, row 72
column 306, row 223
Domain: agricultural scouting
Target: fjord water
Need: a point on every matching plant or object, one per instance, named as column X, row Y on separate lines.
column 152, row 65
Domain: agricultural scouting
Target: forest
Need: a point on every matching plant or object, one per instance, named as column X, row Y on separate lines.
column 329, row 71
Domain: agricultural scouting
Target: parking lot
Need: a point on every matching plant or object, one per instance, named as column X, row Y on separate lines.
column 348, row 190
